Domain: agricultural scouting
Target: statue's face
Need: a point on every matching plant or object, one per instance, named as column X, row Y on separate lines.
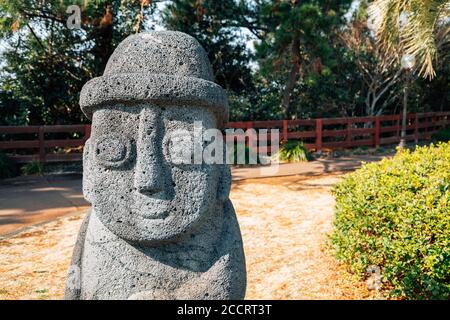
column 134, row 178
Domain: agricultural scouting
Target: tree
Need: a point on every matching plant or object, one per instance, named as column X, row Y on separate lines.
column 297, row 39
column 46, row 63
column 419, row 28
column 413, row 30
column 380, row 79
column 217, row 25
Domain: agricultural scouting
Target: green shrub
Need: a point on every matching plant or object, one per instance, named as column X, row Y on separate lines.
column 34, row 167
column 294, row 151
column 395, row 214
column 360, row 151
column 8, row 168
column 442, row 135
column 246, row 156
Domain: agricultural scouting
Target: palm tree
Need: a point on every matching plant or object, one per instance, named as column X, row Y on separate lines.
column 417, row 30
column 420, row 28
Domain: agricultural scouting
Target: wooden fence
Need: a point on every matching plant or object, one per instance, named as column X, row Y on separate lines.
column 44, row 143
column 340, row 133
column 63, row 143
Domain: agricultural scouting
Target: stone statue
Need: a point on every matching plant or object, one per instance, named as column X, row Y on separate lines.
column 158, row 228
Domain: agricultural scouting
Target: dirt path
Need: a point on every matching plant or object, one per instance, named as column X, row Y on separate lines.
column 28, row 200
column 284, row 223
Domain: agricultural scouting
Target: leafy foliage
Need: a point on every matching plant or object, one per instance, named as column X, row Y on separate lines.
column 215, row 24
column 244, row 159
column 8, row 168
column 294, row 151
column 45, row 63
column 395, row 214
column 296, row 45
column 420, row 28
column 34, row 167
column 250, row 44
column 442, row 135
column 380, row 81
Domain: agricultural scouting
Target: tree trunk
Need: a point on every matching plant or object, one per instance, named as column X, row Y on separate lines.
column 292, row 78
column 103, row 37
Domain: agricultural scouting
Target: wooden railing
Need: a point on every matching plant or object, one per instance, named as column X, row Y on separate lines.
column 41, row 143
column 63, row 143
column 340, row 133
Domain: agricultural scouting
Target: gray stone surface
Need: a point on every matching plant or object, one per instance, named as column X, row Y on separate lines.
column 163, row 67
column 158, row 229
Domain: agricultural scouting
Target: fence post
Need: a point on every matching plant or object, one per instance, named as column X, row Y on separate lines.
column 416, row 128
column 250, row 143
column 285, row 130
column 41, row 145
column 87, row 132
column 319, row 124
column 348, row 138
column 434, row 121
column 377, row 132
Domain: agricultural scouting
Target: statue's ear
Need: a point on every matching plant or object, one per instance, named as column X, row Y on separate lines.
column 87, row 185
column 224, row 185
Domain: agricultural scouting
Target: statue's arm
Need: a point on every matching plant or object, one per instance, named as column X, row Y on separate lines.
column 73, row 282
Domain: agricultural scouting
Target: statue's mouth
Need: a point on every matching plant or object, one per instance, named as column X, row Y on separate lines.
column 151, row 207
column 151, row 215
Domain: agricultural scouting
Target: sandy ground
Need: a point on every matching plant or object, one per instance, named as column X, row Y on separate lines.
column 284, row 223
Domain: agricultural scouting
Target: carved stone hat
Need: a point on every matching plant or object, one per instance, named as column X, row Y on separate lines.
column 162, row 67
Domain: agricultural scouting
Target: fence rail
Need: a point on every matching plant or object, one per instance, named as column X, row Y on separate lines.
column 340, row 133
column 44, row 143
column 64, row 142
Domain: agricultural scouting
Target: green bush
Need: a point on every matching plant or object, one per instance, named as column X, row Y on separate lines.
column 294, row 151
column 8, row 168
column 246, row 156
column 442, row 135
column 34, row 167
column 395, row 214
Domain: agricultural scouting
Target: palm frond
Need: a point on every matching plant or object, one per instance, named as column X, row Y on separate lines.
column 425, row 30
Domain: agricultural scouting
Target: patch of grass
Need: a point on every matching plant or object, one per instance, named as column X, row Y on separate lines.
column 442, row 135
column 8, row 168
column 360, row 151
column 41, row 291
column 380, row 150
column 34, row 167
column 294, row 151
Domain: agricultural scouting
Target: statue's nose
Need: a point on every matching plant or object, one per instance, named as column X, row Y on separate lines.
column 149, row 175
column 148, row 179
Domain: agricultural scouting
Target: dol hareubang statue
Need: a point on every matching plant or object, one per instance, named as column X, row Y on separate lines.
column 157, row 229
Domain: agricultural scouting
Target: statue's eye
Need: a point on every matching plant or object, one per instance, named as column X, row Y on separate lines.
column 180, row 149
column 112, row 151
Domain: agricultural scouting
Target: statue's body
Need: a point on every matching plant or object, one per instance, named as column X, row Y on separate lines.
column 158, row 228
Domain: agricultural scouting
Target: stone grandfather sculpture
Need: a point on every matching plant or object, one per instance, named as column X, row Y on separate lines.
column 158, row 228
